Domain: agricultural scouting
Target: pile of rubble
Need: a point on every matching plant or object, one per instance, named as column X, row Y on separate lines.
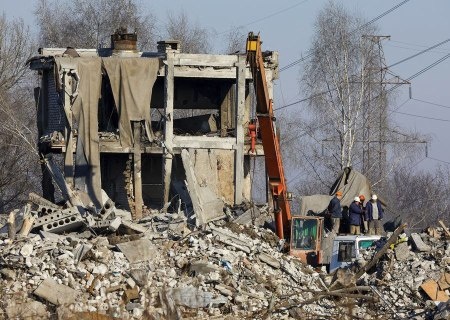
column 71, row 263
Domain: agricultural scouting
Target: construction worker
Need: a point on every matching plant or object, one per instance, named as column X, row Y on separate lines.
column 334, row 208
column 355, row 213
column 364, row 224
column 374, row 215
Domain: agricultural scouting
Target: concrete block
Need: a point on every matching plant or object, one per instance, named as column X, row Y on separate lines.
column 131, row 294
column 229, row 238
column 27, row 249
column 402, row 251
column 107, row 210
column 419, row 244
column 271, row 261
column 202, row 267
column 66, row 224
column 54, row 216
column 134, row 226
column 56, row 293
column 138, row 250
column 248, row 216
column 115, row 224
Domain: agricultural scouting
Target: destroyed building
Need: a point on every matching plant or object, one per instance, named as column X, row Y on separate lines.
column 121, row 119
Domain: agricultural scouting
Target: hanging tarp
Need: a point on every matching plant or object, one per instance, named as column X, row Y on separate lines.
column 350, row 182
column 85, row 112
column 132, row 82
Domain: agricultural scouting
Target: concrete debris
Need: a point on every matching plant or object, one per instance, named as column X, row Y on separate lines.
column 55, row 293
column 138, row 251
column 207, row 205
column 418, row 243
column 160, row 267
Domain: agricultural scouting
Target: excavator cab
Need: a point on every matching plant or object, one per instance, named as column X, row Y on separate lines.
column 306, row 239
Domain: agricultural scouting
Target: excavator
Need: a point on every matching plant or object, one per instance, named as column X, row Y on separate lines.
column 304, row 235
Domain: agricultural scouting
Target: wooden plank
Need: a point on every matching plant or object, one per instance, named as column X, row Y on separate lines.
column 432, row 290
column 444, row 227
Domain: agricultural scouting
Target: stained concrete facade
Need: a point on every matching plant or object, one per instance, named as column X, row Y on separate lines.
column 199, row 102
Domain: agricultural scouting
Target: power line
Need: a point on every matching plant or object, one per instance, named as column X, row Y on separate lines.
column 438, row 160
column 419, row 53
column 415, row 49
column 391, row 89
column 266, row 17
column 363, row 26
column 431, row 103
column 423, row 117
column 423, row 70
column 412, row 44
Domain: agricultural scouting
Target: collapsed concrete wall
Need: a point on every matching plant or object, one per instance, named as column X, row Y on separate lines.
column 201, row 103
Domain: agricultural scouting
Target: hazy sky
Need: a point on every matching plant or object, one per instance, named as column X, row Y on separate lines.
column 287, row 26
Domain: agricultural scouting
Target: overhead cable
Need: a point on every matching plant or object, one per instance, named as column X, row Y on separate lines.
column 419, row 53
column 266, row 17
column 360, row 27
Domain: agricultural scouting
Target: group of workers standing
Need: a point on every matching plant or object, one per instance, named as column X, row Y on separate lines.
column 362, row 217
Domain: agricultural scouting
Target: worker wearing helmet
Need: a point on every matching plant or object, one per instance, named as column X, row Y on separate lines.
column 334, row 208
column 364, row 224
column 374, row 215
column 355, row 213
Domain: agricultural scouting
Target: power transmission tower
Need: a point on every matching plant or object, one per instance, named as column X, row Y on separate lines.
column 375, row 119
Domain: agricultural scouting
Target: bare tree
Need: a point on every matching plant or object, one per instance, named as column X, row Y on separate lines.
column 193, row 37
column 89, row 23
column 235, row 39
column 419, row 198
column 338, row 79
column 18, row 156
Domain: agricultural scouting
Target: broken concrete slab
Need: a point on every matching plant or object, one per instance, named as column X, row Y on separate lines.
column 248, row 216
column 231, row 239
column 56, row 293
column 402, row 251
column 140, row 276
column 206, row 203
column 193, row 297
column 271, row 261
column 29, row 309
column 202, row 267
column 138, row 250
column 134, row 226
column 418, row 243
column 26, row 250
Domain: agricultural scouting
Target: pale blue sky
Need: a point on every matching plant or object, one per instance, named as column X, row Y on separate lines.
column 287, row 26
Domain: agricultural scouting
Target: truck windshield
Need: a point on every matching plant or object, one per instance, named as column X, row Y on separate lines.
column 346, row 251
column 304, row 234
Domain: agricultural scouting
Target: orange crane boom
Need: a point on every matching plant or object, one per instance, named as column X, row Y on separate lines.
column 271, row 145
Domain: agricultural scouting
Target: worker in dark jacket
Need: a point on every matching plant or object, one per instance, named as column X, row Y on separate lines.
column 364, row 222
column 334, row 208
column 374, row 215
column 355, row 213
